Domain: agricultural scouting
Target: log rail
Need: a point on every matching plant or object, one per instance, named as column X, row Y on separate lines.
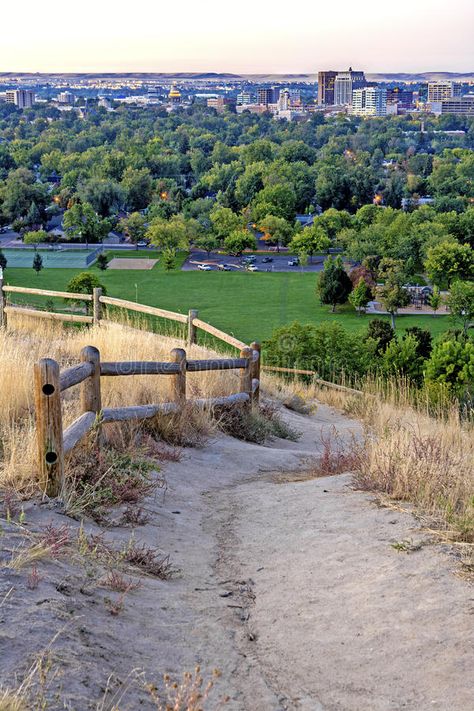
column 54, row 443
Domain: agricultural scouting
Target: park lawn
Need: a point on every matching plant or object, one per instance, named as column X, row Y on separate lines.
column 248, row 305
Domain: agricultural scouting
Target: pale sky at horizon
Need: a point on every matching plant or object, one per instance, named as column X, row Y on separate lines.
column 246, row 36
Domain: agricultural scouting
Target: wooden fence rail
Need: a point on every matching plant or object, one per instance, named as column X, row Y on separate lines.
column 97, row 301
column 54, row 443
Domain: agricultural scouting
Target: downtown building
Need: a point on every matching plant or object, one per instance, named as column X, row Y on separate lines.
column 442, row 90
column 462, row 106
column 326, row 82
column 369, row 101
column 345, row 83
column 22, row 98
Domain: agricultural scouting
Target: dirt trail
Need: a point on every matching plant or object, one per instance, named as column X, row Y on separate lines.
column 291, row 588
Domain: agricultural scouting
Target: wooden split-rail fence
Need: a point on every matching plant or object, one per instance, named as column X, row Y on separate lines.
column 55, row 443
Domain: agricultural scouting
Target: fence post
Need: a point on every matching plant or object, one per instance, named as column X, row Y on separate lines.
column 246, row 372
column 192, row 330
column 3, row 315
column 49, row 425
column 255, row 368
column 178, row 380
column 96, row 306
column 91, row 400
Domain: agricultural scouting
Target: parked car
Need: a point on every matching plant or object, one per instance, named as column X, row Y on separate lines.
column 252, row 268
column 225, row 267
column 267, row 260
column 294, row 262
column 142, row 244
column 205, row 267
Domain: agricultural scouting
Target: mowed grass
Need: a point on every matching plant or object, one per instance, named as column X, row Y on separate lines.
column 247, row 305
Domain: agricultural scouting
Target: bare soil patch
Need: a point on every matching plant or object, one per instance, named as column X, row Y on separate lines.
column 121, row 263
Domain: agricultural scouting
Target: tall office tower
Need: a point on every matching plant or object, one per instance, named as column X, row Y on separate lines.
column 284, row 100
column 326, row 88
column 23, row 98
column 441, row 90
column 265, row 96
column 345, row 83
column 369, row 101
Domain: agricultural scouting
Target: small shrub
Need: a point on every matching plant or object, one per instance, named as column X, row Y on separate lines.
column 191, row 427
column 148, row 560
column 254, row 425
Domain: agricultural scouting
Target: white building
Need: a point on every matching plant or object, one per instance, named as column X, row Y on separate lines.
column 283, row 103
column 344, row 84
column 23, row 98
column 244, row 98
column 369, row 101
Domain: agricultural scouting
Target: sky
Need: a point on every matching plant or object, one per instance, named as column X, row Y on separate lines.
column 245, row 36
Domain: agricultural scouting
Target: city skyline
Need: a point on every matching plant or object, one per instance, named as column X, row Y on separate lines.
column 106, row 37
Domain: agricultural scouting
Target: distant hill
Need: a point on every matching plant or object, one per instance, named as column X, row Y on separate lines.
column 223, row 76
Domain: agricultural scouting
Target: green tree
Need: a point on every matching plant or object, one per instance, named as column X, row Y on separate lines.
column 37, row 263
column 448, row 261
column 170, row 234
column 105, row 196
column 277, row 230
column 452, row 364
column 401, row 357
column 393, row 296
column 310, row 240
column 134, row 227
column 103, row 261
column 169, row 261
column 435, row 299
column 35, row 237
column 137, row 184
column 82, row 222
column 238, row 241
column 382, row 333
column 207, row 242
column 360, row 296
column 334, row 284
column 461, row 303
column 3, row 261
column 225, row 221
column 85, row 283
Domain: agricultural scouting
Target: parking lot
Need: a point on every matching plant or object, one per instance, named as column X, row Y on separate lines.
column 279, row 263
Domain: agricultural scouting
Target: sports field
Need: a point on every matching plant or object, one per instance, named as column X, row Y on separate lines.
column 247, row 305
column 52, row 258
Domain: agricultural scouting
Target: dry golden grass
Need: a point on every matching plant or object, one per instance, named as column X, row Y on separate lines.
column 31, row 339
column 411, row 452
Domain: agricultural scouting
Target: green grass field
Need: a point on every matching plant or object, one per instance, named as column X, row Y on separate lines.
column 247, row 305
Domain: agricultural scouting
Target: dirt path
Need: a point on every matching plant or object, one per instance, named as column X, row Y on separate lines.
column 291, row 588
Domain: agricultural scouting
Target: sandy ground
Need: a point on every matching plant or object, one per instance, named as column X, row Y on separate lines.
column 290, row 587
column 121, row 263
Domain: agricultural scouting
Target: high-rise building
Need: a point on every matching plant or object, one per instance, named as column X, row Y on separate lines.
column 441, row 90
column 265, row 95
column 283, row 103
column 369, row 101
column 326, row 88
column 23, row 98
column 244, row 98
column 345, row 83
column 66, row 97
